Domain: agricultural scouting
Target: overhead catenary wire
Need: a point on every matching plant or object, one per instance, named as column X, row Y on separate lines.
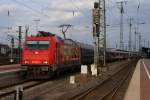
column 78, row 9
column 110, row 9
column 37, row 11
column 111, row 12
column 88, row 18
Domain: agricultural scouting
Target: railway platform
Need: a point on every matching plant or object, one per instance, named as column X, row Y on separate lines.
column 139, row 87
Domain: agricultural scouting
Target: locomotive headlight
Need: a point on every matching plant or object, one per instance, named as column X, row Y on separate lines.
column 45, row 62
column 26, row 62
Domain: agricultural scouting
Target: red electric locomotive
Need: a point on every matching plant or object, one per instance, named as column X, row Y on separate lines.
column 46, row 53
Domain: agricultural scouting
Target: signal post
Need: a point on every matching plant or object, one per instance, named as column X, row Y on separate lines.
column 99, row 35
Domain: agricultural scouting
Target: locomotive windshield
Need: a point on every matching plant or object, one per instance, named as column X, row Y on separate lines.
column 37, row 44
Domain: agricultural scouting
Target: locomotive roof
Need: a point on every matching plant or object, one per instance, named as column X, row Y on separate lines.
column 46, row 34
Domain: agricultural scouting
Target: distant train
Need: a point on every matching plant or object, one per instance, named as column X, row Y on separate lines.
column 115, row 54
column 46, row 54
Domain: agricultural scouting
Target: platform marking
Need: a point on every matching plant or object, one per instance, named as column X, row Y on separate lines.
column 145, row 67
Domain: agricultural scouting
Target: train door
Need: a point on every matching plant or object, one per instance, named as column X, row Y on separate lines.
column 56, row 54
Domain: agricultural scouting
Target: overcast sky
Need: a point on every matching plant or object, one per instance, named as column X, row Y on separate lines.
column 53, row 13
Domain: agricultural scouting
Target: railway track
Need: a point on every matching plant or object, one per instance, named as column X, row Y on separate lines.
column 119, row 91
column 109, row 88
column 33, row 88
column 10, row 91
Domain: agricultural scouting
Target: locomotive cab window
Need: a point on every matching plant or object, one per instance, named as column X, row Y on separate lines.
column 31, row 44
column 37, row 44
column 43, row 44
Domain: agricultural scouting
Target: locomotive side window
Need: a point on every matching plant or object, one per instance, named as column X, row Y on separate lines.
column 37, row 44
